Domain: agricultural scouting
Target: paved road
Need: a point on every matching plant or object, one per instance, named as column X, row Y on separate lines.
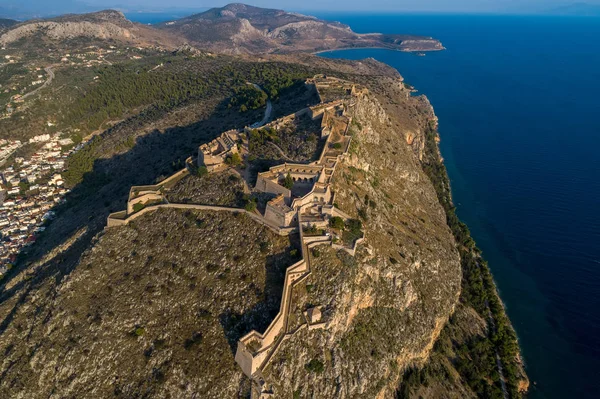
column 50, row 73
column 268, row 111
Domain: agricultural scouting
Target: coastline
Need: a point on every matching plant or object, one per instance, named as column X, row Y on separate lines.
column 478, row 277
column 479, row 292
column 377, row 48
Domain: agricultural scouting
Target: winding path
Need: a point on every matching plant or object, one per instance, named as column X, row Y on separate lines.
column 268, row 111
column 280, row 151
column 50, row 73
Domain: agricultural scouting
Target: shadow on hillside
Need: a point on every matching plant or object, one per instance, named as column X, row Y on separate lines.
column 259, row 317
column 105, row 189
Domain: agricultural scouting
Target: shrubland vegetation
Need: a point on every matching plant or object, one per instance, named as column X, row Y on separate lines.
column 296, row 140
column 475, row 357
column 220, row 188
column 248, row 97
column 123, row 88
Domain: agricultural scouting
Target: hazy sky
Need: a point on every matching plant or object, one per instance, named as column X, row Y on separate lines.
column 374, row 5
column 42, row 7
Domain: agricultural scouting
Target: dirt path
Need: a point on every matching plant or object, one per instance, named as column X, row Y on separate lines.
column 268, row 111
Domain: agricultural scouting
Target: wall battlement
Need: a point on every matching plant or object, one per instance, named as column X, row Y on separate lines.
column 308, row 203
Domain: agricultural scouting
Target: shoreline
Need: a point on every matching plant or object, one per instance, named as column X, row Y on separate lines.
column 377, row 48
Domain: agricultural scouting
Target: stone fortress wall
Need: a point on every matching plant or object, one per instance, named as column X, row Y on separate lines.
column 284, row 214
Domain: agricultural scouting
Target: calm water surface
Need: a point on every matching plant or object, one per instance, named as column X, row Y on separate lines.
column 519, row 103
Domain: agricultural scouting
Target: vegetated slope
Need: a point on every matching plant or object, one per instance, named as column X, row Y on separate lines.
column 239, row 28
column 464, row 360
column 387, row 305
column 154, row 309
column 105, row 25
column 5, row 24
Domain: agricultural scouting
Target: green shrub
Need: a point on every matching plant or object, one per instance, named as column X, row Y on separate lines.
column 250, row 205
column 336, row 222
column 233, row 159
column 288, row 182
column 202, row 171
column 138, row 206
column 315, row 366
column 354, row 225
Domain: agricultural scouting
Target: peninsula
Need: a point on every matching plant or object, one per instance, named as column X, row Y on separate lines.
column 234, row 225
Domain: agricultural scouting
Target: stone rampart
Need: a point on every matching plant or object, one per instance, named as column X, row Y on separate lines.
column 255, row 350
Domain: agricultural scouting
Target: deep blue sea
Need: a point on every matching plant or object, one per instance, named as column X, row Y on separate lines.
column 518, row 100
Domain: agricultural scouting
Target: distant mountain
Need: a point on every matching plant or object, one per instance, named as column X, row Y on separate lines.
column 107, row 24
column 240, row 28
column 5, row 24
column 235, row 28
column 577, row 9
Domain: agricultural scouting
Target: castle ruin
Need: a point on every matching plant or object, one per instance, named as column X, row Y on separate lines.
column 302, row 198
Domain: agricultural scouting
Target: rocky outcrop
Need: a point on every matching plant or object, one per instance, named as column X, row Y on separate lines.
column 102, row 25
column 67, row 30
column 386, row 307
column 238, row 28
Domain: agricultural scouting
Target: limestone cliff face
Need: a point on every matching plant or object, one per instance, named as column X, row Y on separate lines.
column 102, row 25
column 67, row 30
column 387, row 305
column 155, row 309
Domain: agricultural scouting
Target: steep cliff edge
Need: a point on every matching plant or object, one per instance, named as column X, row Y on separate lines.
column 155, row 308
column 387, row 305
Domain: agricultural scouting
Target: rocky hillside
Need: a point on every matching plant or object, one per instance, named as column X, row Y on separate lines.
column 388, row 304
column 105, row 25
column 235, row 28
column 6, row 24
column 239, row 28
column 153, row 310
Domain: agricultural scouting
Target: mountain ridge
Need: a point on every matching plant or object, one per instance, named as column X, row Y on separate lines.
column 233, row 29
column 105, row 24
column 240, row 28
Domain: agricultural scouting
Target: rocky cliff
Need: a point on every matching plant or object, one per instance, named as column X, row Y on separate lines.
column 103, row 25
column 155, row 308
column 240, row 28
column 387, row 305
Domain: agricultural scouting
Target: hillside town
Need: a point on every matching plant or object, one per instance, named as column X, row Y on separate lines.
column 30, row 188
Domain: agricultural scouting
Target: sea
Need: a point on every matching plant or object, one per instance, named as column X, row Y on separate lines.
column 518, row 101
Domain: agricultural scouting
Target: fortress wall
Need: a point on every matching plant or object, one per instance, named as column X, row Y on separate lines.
column 296, row 168
column 116, row 219
column 143, row 199
column 275, row 215
column 343, row 215
column 136, row 191
column 170, row 181
column 276, row 326
column 319, row 239
column 310, row 198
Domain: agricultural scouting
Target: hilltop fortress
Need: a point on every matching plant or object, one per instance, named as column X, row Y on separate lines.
column 302, row 200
